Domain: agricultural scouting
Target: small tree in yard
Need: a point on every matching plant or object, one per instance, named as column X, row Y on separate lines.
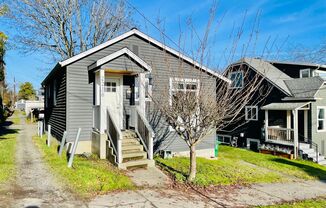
column 194, row 110
column 26, row 91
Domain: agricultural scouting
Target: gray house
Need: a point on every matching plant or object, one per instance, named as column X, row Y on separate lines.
column 291, row 118
column 108, row 92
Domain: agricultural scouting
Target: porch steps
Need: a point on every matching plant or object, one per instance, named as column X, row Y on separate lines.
column 133, row 154
column 311, row 154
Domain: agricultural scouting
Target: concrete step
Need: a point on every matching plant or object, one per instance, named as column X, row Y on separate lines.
column 137, row 163
column 129, row 147
column 134, row 154
column 130, row 142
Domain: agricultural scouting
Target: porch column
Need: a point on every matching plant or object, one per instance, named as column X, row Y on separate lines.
column 305, row 120
column 288, row 123
column 102, row 106
column 296, row 135
column 266, row 125
column 142, row 93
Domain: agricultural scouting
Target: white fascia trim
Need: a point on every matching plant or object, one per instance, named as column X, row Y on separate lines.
column 144, row 36
column 116, row 55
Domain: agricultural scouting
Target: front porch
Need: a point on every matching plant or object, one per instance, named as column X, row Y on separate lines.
column 287, row 124
column 122, row 133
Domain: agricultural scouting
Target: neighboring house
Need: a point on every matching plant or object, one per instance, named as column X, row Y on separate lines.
column 291, row 116
column 29, row 105
column 107, row 91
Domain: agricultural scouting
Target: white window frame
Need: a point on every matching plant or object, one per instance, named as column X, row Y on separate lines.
column 305, row 70
column 150, row 90
column 246, row 112
column 242, row 81
column 324, row 119
column 224, row 135
column 186, row 81
column 54, row 92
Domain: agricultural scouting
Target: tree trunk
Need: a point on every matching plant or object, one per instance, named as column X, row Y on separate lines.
column 192, row 168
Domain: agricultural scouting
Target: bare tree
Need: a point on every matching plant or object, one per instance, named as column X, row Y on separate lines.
column 67, row 27
column 203, row 104
column 301, row 53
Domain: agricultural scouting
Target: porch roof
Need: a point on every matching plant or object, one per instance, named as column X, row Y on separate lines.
column 123, row 51
column 284, row 106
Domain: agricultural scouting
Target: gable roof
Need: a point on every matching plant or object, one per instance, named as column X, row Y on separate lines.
column 270, row 72
column 305, row 87
column 298, row 63
column 123, row 51
column 149, row 39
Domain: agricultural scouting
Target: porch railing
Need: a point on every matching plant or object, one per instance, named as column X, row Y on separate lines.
column 96, row 116
column 280, row 134
column 144, row 132
column 114, row 135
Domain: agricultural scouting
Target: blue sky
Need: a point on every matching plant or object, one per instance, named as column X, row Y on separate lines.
column 283, row 25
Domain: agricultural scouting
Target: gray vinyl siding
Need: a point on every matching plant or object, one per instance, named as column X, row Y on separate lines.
column 56, row 115
column 123, row 63
column 317, row 136
column 80, row 90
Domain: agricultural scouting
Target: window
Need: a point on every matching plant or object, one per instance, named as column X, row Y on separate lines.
column 190, row 86
column 148, row 87
column 237, row 79
column 55, row 92
column 251, row 113
column 226, row 139
column 321, row 119
column 320, row 73
column 304, row 73
column 110, row 87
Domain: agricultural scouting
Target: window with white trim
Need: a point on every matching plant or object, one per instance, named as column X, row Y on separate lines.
column 110, row 87
column 251, row 113
column 148, row 88
column 237, row 79
column 304, row 73
column 321, row 118
column 177, row 85
column 226, row 139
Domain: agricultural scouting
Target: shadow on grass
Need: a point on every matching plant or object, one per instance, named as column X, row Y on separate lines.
column 5, row 130
column 170, row 169
column 312, row 171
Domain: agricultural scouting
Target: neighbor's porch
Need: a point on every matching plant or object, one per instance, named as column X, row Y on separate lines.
column 287, row 124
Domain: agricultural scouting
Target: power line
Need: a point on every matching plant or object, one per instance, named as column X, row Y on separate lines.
column 156, row 27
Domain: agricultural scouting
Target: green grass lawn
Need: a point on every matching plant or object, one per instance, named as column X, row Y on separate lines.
column 7, row 155
column 315, row 203
column 88, row 177
column 239, row 166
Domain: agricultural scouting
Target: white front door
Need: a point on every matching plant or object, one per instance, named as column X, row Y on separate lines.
column 113, row 98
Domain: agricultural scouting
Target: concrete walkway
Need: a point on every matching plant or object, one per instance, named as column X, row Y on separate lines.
column 265, row 194
column 34, row 185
